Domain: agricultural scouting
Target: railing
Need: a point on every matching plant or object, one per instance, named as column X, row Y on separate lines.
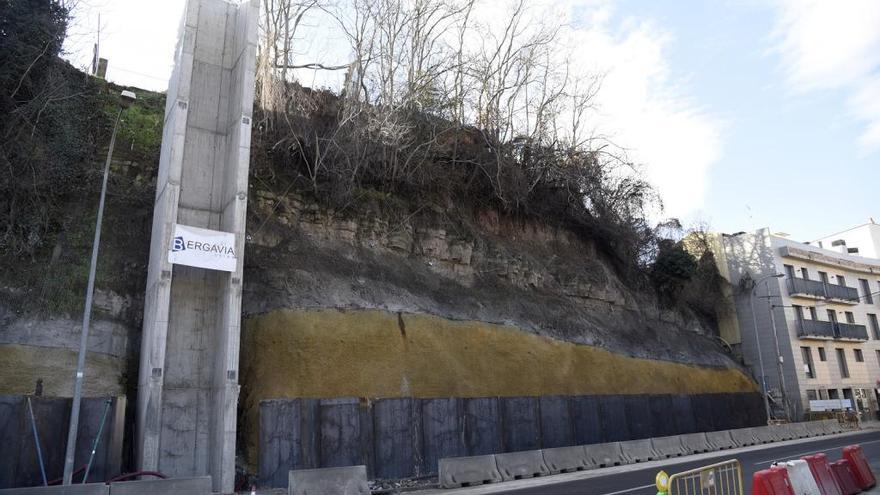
column 815, row 328
column 852, row 331
column 831, row 330
column 825, row 290
column 723, row 478
column 806, row 287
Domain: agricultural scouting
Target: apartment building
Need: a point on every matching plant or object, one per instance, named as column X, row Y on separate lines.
column 816, row 313
column 863, row 240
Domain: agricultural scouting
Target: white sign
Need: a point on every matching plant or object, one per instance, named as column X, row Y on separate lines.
column 203, row 248
column 830, row 404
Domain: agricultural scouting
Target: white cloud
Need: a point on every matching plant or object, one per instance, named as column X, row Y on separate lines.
column 833, row 45
column 644, row 107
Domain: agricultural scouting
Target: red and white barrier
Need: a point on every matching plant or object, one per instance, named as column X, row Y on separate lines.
column 773, row 481
column 823, row 475
column 860, row 466
column 845, row 477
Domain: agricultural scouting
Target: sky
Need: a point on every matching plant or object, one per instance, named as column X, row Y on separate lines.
column 742, row 113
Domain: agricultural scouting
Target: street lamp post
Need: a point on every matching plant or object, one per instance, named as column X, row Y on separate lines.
column 757, row 340
column 127, row 97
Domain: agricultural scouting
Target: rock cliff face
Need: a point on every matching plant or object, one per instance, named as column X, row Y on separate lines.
column 385, row 302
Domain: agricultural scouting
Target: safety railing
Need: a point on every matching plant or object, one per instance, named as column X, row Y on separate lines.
column 723, row 478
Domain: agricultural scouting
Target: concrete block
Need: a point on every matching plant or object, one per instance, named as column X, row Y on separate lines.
column 720, row 440
column 612, row 413
column 667, row 447
column 802, row 481
column 832, row 426
column 639, row 419
column 567, row 459
column 87, row 489
column 200, row 485
column 798, row 430
column 340, row 432
column 695, row 443
column 522, row 430
column 639, row 450
column 585, row 419
column 482, row 425
column 743, row 437
column 441, row 431
column 350, row 480
column 519, row 465
column 394, row 432
column 465, row 471
column 815, row 428
column 606, row 454
column 766, row 434
column 555, row 422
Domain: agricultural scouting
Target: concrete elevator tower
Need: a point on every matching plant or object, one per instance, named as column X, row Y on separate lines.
column 188, row 384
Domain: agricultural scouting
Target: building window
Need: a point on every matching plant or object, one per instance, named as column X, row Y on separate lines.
column 808, row 362
column 860, row 358
column 823, row 277
column 798, row 312
column 811, row 394
column 813, row 315
column 789, row 271
column 878, row 356
column 866, row 290
column 823, row 394
column 841, row 362
column 875, row 327
column 805, row 273
column 832, row 315
column 822, row 354
column 841, row 280
column 850, row 318
column 833, row 394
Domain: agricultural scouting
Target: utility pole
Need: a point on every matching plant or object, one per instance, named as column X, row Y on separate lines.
column 127, row 97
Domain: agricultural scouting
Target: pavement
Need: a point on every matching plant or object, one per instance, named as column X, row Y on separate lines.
column 639, row 479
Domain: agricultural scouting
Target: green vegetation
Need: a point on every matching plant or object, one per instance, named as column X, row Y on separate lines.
column 54, row 132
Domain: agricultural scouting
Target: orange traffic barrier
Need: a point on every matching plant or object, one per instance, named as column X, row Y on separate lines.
column 860, row 466
column 773, row 481
column 845, row 477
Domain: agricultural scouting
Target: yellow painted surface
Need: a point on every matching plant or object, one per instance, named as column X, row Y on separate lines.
column 376, row 354
column 22, row 365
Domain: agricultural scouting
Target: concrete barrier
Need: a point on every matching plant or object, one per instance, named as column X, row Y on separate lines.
column 766, row 434
column 799, row 430
column 172, row 486
column 88, row 489
column 567, row 459
column 695, row 443
column 832, row 426
column 606, row 454
column 816, row 428
column 720, row 440
column 456, row 472
column 349, row 480
column 744, row 437
column 519, row 465
column 802, row 481
column 667, row 447
column 639, row 450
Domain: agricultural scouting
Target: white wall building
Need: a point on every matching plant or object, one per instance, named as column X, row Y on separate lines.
column 825, row 307
column 863, row 240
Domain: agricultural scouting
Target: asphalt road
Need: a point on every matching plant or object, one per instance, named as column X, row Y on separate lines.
column 642, row 482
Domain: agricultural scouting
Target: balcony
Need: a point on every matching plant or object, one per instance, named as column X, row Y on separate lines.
column 817, row 329
column 852, row 331
column 814, row 289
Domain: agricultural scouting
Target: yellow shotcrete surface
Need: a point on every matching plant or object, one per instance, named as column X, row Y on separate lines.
column 22, row 365
column 375, row 354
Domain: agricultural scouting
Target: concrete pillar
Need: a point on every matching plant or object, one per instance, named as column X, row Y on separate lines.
column 188, row 382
